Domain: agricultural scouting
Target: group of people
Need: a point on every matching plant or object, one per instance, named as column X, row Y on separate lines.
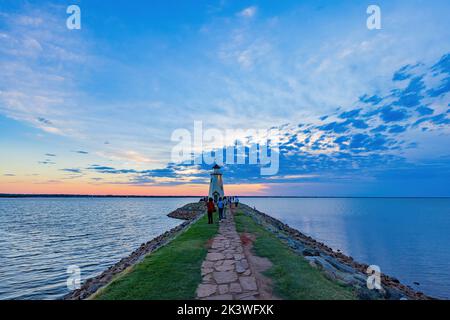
column 222, row 204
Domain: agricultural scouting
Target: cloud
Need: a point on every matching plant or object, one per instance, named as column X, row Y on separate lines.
column 81, row 152
column 44, row 121
column 298, row 177
column 29, row 21
column 170, row 175
column 366, row 142
column 127, row 156
column 111, row 170
column 71, row 170
column 39, row 64
column 47, row 162
column 248, row 12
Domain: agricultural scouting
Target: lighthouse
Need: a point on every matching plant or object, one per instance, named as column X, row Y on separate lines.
column 216, row 184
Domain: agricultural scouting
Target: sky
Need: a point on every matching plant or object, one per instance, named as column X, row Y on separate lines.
column 93, row 111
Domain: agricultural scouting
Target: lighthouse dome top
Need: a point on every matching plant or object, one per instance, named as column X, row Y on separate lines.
column 216, row 170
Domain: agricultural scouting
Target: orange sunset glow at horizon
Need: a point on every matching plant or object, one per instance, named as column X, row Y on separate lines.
column 126, row 190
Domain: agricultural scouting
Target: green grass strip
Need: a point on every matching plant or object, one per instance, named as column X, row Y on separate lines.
column 292, row 276
column 170, row 273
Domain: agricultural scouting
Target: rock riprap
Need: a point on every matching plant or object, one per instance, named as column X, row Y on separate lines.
column 189, row 212
column 225, row 271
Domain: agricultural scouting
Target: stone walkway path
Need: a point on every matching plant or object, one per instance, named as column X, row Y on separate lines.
column 225, row 271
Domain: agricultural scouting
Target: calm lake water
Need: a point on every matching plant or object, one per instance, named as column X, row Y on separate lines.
column 41, row 237
column 408, row 238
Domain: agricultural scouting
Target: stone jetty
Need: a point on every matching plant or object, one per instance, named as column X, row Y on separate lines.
column 226, row 272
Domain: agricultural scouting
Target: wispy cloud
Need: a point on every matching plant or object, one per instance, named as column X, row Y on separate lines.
column 367, row 142
column 248, row 12
column 47, row 162
column 71, row 170
column 38, row 59
column 127, row 156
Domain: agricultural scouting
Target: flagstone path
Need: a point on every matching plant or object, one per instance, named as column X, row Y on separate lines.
column 226, row 273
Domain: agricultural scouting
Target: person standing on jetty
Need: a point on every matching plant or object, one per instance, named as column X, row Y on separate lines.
column 225, row 203
column 236, row 201
column 211, row 209
column 220, row 205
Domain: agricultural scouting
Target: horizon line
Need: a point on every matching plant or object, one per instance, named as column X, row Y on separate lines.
column 49, row 195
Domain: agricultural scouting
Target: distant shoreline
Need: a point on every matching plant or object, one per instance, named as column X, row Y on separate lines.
column 6, row 195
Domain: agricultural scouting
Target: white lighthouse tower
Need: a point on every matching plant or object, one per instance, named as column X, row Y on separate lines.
column 216, row 185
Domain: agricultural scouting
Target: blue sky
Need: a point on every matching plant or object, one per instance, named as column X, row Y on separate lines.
column 362, row 112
